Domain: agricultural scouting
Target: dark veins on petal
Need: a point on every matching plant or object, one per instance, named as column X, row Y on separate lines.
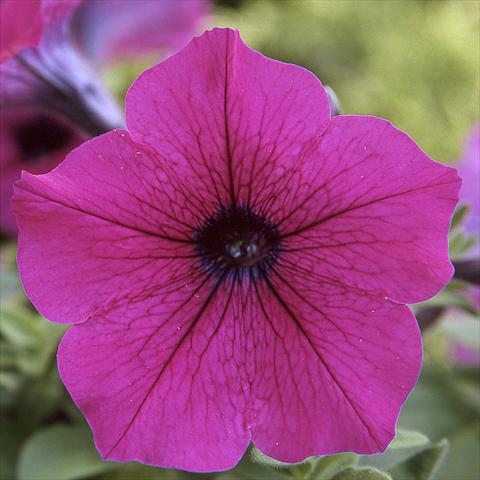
column 41, row 136
column 236, row 242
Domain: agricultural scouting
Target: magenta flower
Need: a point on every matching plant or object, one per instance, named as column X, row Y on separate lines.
column 468, row 268
column 55, row 86
column 469, row 170
column 465, row 356
column 46, row 110
column 237, row 265
column 33, row 141
column 112, row 29
column 22, row 23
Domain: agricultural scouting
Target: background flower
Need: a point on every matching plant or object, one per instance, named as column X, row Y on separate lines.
column 22, row 23
column 58, row 80
column 116, row 29
column 469, row 169
column 32, row 141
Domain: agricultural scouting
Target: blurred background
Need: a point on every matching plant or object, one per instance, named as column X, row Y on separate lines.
column 416, row 63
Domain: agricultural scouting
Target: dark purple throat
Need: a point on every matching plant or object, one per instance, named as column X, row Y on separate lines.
column 236, row 241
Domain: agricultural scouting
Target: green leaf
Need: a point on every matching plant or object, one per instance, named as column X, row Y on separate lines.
column 11, row 438
column 303, row 471
column 28, row 342
column 257, row 466
column 10, row 287
column 434, row 407
column 423, row 465
column 9, row 381
column 459, row 216
column 19, row 326
column 408, row 439
column 327, row 467
column 462, row 327
column 60, row 452
column 259, row 457
column 406, row 444
column 366, row 473
column 298, row 471
column 459, row 243
column 313, row 468
column 465, row 386
column 453, row 295
column 137, row 471
column 463, row 459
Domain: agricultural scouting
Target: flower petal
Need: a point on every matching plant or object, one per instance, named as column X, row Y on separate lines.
column 159, row 378
column 470, row 193
column 57, row 78
column 22, row 23
column 29, row 140
column 108, row 257
column 228, row 116
column 54, row 10
column 89, row 230
column 373, row 211
column 20, row 26
column 171, row 360
column 333, row 366
column 111, row 29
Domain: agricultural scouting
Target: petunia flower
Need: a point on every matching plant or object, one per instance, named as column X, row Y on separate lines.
column 113, row 29
column 22, row 23
column 467, row 264
column 465, row 356
column 33, row 141
column 468, row 267
column 236, row 265
column 58, row 80
column 469, row 170
column 51, row 87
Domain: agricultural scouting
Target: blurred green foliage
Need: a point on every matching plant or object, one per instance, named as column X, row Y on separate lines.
column 414, row 62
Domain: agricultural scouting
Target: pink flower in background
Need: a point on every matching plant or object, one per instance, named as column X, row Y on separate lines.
column 468, row 268
column 237, row 265
column 23, row 22
column 30, row 141
column 465, row 355
column 469, row 170
column 51, row 100
column 103, row 28
column 58, row 81
column 112, row 29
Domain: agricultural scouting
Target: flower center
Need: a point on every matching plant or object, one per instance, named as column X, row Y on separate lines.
column 237, row 239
